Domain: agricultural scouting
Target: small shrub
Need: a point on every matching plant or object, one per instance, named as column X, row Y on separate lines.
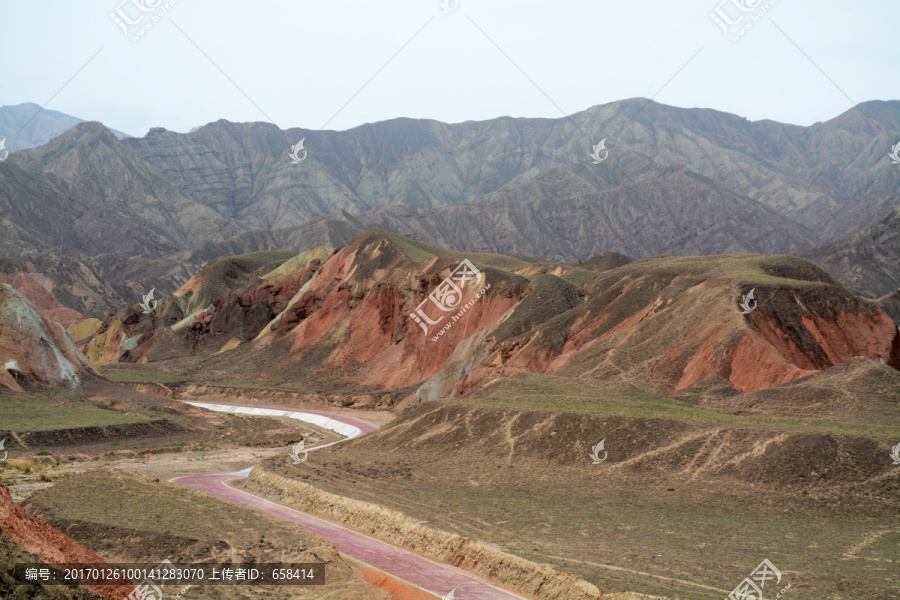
column 22, row 464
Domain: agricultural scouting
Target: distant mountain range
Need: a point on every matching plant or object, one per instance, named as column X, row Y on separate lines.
column 148, row 212
column 26, row 125
column 866, row 260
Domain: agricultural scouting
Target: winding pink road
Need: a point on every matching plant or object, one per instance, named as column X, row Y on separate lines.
column 432, row 577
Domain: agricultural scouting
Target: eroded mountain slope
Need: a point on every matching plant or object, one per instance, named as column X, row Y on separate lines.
column 349, row 320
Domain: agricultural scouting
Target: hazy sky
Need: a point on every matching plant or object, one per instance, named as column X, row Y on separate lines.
column 299, row 62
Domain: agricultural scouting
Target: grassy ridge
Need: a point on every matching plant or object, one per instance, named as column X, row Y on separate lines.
column 56, row 409
column 142, row 376
column 534, row 391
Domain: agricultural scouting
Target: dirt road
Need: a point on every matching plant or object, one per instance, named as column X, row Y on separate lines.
column 431, row 576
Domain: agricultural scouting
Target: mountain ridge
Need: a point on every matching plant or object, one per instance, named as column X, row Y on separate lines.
column 688, row 181
column 28, row 125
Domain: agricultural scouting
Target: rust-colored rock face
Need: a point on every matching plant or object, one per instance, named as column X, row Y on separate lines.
column 356, row 316
column 50, row 545
column 34, row 347
column 350, row 320
column 670, row 323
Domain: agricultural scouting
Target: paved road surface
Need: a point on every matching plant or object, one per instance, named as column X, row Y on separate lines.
column 431, row 576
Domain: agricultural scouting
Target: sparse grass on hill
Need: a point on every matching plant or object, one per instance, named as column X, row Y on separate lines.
column 578, row 276
column 136, row 502
column 125, row 375
column 534, row 391
column 743, row 269
column 164, row 520
column 667, row 515
column 57, row 409
column 418, row 251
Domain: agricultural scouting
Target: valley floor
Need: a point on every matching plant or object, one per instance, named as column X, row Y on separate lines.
column 683, row 507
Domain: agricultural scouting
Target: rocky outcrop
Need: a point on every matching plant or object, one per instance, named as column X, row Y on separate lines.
column 356, row 316
column 50, row 545
column 345, row 320
column 64, row 288
column 227, row 304
column 32, row 347
column 83, row 331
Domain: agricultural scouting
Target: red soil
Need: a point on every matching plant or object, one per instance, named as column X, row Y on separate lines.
column 50, row 545
column 396, row 588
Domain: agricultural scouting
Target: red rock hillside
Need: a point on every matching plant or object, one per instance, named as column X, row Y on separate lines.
column 50, row 545
column 352, row 324
column 349, row 321
column 669, row 323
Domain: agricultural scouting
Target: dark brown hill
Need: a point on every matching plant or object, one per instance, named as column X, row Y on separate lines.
column 867, row 261
column 115, row 192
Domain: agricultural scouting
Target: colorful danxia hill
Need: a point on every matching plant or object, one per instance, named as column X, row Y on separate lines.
column 340, row 320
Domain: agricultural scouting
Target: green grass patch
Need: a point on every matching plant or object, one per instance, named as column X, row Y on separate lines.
column 418, row 251
column 554, row 393
column 142, row 376
column 578, row 276
column 136, row 502
column 29, row 412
